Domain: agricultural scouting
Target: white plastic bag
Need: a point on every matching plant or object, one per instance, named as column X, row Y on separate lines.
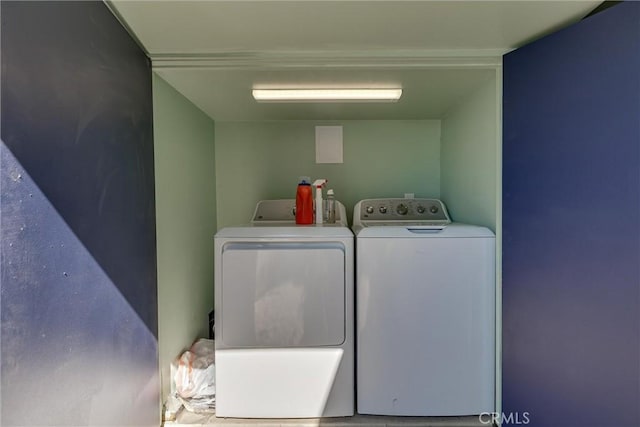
column 195, row 376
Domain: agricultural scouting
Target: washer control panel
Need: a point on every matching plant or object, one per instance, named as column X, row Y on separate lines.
column 403, row 210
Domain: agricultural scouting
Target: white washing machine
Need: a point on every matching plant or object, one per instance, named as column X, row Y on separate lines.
column 425, row 290
column 284, row 316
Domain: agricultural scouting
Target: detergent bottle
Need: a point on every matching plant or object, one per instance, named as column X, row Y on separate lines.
column 304, row 201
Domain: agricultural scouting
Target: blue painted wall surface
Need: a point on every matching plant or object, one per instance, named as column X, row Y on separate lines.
column 78, row 278
column 571, row 221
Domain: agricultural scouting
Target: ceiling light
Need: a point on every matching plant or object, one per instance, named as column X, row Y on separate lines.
column 327, row 95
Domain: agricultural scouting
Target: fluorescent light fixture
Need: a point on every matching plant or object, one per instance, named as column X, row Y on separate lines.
column 327, row 95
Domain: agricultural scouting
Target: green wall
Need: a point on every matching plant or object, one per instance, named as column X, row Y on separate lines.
column 263, row 160
column 471, row 177
column 456, row 159
column 470, row 150
column 186, row 218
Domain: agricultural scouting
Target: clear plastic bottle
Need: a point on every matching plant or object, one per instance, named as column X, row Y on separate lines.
column 330, row 207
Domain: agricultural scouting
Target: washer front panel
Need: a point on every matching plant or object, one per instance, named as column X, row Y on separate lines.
column 283, row 294
column 425, row 325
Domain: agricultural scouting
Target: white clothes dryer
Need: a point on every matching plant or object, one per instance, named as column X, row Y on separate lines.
column 284, row 316
column 425, row 290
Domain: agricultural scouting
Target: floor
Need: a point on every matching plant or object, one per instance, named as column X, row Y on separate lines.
column 185, row 418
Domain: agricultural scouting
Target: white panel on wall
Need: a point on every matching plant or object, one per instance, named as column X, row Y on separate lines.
column 329, row 144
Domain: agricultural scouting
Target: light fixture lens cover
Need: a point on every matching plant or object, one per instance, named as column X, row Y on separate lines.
column 327, row 95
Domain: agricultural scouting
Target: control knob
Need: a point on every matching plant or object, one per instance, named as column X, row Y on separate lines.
column 402, row 209
column 383, row 209
column 420, row 209
column 433, row 209
column 369, row 209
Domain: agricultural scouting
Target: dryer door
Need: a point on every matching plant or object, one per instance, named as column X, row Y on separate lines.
column 279, row 294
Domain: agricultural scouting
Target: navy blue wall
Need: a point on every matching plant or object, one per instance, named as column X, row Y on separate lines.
column 571, row 218
column 78, row 301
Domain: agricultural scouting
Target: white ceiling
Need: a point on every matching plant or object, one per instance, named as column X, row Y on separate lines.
column 214, row 52
column 226, row 94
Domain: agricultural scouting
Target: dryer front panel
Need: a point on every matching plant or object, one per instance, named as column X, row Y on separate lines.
column 282, row 294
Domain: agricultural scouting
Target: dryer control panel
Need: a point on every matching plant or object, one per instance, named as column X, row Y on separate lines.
column 283, row 211
column 376, row 212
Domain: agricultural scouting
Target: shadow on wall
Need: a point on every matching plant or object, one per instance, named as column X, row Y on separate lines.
column 74, row 351
column 79, row 308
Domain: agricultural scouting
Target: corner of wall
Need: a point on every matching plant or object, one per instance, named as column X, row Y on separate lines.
column 469, row 153
column 186, row 222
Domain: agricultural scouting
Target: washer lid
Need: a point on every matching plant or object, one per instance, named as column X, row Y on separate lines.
column 453, row 230
column 313, row 231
